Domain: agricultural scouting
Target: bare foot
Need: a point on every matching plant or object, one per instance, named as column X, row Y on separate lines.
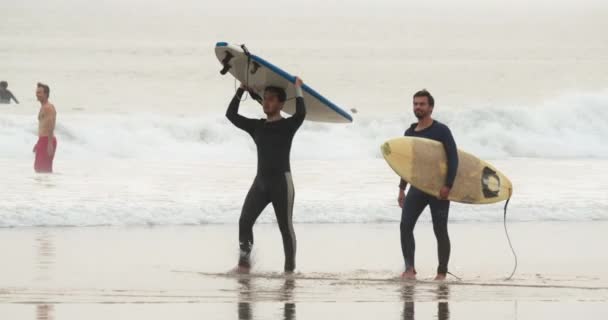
column 409, row 274
column 240, row 270
column 440, row 277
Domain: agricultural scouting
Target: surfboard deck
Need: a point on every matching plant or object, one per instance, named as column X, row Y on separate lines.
column 258, row 74
column 422, row 163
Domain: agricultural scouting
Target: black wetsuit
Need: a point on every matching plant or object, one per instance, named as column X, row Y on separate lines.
column 273, row 183
column 416, row 200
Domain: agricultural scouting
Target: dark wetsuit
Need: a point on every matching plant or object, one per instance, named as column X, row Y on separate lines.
column 416, row 200
column 273, row 182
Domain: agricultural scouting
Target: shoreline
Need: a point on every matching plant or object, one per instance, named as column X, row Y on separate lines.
column 344, row 270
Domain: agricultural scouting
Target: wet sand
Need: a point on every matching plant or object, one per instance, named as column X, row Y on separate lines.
column 344, row 270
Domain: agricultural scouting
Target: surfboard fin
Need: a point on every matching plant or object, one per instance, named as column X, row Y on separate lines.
column 254, row 67
column 226, row 63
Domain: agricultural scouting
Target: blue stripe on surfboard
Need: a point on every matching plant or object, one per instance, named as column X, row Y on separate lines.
column 305, row 87
column 292, row 79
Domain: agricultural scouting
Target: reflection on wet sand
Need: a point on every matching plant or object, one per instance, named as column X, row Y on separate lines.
column 408, row 291
column 44, row 180
column 44, row 312
column 45, row 255
column 45, row 260
column 244, row 305
column 443, row 308
column 289, row 310
column 247, row 296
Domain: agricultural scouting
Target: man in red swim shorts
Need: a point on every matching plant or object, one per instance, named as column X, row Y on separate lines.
column 47, row 143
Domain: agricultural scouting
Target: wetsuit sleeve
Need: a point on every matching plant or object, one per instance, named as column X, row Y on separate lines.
column 233, row 114
column 451, row 152
column 300, row 114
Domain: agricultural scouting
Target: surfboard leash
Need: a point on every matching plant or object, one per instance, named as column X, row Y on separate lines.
column 455, row 276
column 248, row 54
column 246, row 95
column 509, row 240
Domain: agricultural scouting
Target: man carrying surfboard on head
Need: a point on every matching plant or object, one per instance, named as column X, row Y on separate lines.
column 415, row 201
column 273, row 184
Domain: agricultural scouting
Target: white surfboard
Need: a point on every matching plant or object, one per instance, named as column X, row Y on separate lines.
column 258, row 74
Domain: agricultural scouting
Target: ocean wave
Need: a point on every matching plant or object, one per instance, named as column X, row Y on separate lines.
column 572, row 126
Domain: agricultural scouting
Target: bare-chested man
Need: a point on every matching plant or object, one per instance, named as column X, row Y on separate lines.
column 47, row 143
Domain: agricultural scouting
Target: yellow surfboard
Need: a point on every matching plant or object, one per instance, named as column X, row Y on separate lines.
column 422, row 163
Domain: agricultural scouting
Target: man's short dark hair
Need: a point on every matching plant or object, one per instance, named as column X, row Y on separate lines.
column 424, row 93
column 279, row 92
column 4, row 84
column 45, row 88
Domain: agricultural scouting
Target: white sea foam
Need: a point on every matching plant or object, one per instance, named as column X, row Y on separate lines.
column 569, row 127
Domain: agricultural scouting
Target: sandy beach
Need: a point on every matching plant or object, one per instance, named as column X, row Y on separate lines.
column 181, row 272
